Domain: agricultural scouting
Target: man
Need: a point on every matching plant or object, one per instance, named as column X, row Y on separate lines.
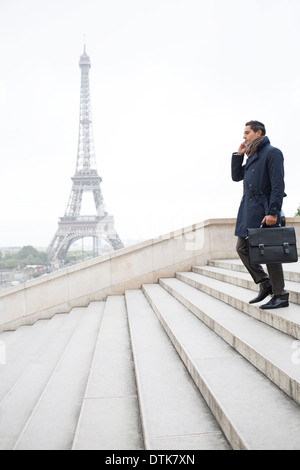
column 263, row 175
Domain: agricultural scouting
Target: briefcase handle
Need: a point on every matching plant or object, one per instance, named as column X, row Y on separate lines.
column 266, row 226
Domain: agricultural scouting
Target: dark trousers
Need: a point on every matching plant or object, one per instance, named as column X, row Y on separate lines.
column 275, row 272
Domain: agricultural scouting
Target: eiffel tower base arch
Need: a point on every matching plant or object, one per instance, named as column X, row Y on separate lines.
column 72, row 229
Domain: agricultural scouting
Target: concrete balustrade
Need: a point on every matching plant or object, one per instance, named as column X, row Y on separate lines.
column 112, row 274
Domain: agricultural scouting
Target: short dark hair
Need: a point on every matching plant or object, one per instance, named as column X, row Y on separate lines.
column 256, row 126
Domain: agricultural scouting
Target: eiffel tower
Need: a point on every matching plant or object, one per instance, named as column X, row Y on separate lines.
column 74, row 226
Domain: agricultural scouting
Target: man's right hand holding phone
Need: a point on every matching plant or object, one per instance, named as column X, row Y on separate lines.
column 242, row 149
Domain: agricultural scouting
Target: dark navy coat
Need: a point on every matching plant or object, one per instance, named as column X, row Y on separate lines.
column 263, row 176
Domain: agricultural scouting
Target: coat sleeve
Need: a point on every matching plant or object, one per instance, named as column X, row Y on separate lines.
column 276, row 175
column 237, row 168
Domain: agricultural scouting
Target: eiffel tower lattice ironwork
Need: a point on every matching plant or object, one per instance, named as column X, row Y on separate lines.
column 74, row 226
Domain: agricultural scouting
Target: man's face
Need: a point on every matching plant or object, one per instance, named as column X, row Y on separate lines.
column 250, row 135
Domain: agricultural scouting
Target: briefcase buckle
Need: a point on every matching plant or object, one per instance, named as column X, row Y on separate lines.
column 261, row 247
column 286, row 247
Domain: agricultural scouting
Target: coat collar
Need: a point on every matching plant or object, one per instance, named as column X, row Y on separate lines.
column 255, row 156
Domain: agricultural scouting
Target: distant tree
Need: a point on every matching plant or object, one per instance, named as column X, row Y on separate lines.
column 27, row 251
column 10, row 261
column 28, row 255
column 298, row 211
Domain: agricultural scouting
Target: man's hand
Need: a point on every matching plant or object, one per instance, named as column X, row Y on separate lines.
column 269, row 220
column 242, row 149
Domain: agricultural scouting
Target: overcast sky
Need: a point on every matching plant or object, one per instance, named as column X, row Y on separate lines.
column 172, row 84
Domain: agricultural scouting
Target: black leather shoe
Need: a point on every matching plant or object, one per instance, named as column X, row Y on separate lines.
column 276, row 302
column 264, row 291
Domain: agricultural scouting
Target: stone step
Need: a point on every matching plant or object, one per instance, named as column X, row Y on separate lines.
column 174, row 414
column 286, row 320
column 52, row 421
column 268, row 349
column 184, row 364
column 109, row 417
column 29, row 364
column 291, row 270
column 243, row 279
column 252, row 412
column 12, row 337
column 12, row 334
column 23, row 345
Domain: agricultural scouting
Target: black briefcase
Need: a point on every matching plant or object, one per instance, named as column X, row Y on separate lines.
column 267, row 245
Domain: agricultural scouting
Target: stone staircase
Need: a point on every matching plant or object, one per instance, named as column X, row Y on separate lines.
column 186, row 363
